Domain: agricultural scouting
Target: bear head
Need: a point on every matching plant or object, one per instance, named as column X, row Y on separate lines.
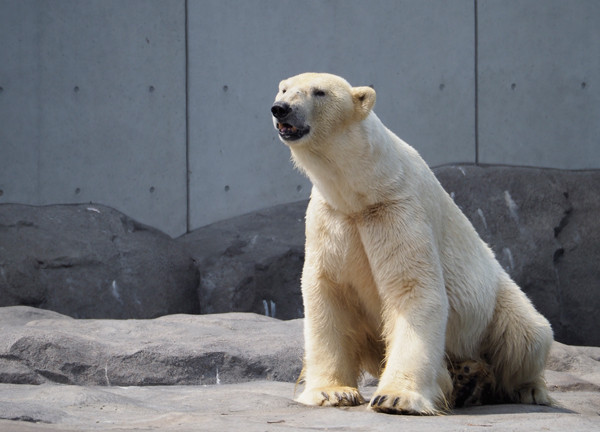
column 312, row 107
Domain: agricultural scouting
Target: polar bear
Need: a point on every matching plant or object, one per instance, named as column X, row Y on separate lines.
column 396, row 280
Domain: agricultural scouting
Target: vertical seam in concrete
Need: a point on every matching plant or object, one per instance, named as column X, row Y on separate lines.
column 39, row 107
column 476, row 66
column 187, row 122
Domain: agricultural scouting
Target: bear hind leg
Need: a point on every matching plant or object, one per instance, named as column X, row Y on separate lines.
column 518, row 343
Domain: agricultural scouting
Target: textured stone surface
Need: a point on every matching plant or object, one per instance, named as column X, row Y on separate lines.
column 544, row 227
column 252, row 263
column 41, row 346
column 213, row 354
column 542, row 224
column 257, row 407
column 90, row 261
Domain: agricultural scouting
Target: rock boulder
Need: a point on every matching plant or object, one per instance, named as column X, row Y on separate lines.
column 41, row 346
column 544, row 227
column 252, row 263
column 542, row 224
column 90, row 261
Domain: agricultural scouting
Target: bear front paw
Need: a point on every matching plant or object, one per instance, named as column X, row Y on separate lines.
column 331, row 396
column 393, row 402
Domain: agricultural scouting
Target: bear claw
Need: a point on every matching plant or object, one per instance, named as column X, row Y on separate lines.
column 331, row 396
column 377, row 403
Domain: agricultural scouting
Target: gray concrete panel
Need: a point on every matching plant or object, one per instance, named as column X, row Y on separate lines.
column 418, row 55
column 539, row 83
column 93, row 106
column 19, row 102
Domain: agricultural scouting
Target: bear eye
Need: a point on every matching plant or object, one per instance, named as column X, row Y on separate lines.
column 283, row 90
column 317, row 92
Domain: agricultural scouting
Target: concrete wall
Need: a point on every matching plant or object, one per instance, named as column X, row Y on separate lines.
column 539, row 83
column 92, row 106
column 123, row 102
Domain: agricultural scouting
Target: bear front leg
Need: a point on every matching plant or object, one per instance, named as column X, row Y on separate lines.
column 331, row 364
column 331, row 359
column 333, row 334
column 415, row 379
column 409, row 280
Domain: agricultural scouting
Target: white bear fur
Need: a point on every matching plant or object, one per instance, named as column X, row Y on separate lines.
column 396, row 280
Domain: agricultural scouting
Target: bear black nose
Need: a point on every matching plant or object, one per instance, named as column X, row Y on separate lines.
column 281, row 109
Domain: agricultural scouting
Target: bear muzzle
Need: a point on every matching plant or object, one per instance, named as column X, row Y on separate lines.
column 287, row 123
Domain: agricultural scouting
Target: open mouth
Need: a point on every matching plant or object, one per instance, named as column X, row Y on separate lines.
column 290, row 133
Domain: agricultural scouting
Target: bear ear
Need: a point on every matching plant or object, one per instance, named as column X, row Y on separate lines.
column 364, row 100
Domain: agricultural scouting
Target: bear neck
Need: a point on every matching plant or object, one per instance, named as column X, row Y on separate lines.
column 347, row 169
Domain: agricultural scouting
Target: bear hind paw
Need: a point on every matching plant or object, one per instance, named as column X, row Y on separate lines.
column 535, row 395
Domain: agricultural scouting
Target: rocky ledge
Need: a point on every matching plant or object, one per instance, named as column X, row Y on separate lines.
column 222, row 372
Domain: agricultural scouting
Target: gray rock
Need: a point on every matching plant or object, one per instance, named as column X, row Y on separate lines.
column 42, row 346
column 542, row 224
column 90, row 261
column 252, row 263
column 544, row 228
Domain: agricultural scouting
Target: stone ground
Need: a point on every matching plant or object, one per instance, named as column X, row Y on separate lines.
column 259, row 406
column 63, row 374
